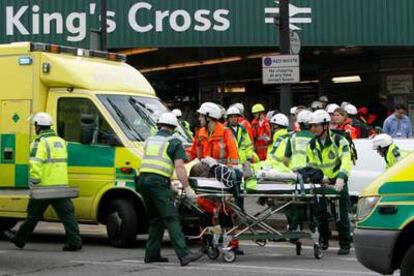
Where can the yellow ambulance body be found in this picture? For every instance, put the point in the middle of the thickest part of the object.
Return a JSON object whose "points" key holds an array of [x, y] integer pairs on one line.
{"points": [[101, 106]]}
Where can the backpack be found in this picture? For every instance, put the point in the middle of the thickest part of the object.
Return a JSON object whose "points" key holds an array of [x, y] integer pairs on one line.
{"points": [[347, 136]]}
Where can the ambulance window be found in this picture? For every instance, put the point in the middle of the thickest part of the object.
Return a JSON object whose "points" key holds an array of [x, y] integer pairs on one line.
{"points": [[78, 120]]}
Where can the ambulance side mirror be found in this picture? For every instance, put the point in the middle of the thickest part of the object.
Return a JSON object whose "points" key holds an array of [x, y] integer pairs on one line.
{"points": [[87, 129]]}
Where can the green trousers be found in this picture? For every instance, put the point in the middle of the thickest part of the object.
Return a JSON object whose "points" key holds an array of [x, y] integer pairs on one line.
{"points": [[343, 224], [65, 211], [162, 214]]}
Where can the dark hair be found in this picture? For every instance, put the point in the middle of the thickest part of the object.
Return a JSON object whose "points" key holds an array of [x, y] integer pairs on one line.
{"points": [[400, 106]]}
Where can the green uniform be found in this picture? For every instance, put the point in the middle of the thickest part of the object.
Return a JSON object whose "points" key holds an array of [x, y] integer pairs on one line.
{"points": [[295, 152], [394, 155], [277, 149], [333, 157], [244, 144], [156, 169], [48, 167]]}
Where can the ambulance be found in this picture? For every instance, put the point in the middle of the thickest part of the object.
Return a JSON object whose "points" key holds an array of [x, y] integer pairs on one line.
{"points": [[102, 107], [384, 237]]}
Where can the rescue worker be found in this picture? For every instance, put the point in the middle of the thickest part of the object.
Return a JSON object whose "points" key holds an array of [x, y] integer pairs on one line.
{"points": [[352, 112], [343, 123], [213, 139], [261, 131], [295, 153], [162, 153], [186, 125], [242, 120], [324, 100], [315, 105], [280, 123], [244, 144], [331, 154], [48, 168], [386, 148]]}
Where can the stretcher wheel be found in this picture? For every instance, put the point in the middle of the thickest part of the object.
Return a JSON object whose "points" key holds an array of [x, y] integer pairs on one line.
{"points": [[212, 252], [229, 256], [298, 248], [317, 251]]}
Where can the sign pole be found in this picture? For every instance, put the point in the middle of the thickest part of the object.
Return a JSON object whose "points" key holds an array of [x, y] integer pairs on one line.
{"points": [[284, 41], [104, 35]]}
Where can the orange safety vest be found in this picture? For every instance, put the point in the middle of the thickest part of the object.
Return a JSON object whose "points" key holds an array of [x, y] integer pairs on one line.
{"points": [[262, 137], [347, 127], [247, 126], [220, 145]]}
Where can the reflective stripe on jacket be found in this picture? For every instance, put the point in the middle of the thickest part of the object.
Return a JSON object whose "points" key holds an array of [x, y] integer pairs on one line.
{"points": [[394, 155], [244, 145], [298, 146], [156, 159], [220, 145], [48, 160]]}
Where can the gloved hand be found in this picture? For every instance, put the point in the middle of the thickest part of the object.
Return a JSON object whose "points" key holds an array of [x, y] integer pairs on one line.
{"points": [[209, 161], [190, 194], [339, 185]]}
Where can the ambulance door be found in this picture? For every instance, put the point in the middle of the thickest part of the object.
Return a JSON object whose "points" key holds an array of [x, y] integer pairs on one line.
{"points": [[14, 151]]}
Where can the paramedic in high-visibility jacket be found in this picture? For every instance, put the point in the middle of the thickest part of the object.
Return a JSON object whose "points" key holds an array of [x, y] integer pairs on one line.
{"points": [[331, 154], [162, 153], [48, 167], [385, 146]]}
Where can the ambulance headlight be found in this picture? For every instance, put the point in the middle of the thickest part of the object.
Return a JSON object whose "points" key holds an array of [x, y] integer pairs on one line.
{"points": [[365, 206]]}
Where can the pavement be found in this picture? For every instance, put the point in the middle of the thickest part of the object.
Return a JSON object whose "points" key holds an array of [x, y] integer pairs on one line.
{"points": [[43, 256]]}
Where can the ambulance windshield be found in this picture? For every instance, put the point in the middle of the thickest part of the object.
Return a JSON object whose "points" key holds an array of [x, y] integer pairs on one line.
{"points": [[137, 116]]}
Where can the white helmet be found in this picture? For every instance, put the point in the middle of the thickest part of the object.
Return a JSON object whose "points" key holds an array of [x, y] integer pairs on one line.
{"points": [[233, 110], [323, 99], [351, 109], [330, 108], [381, 141], [316, 105], [280, 119], [42, 119], [304, 117], [320, 117], [168, 118], [177, 113], [210, 109], [343, 104], [293, 110], [239, 106]]}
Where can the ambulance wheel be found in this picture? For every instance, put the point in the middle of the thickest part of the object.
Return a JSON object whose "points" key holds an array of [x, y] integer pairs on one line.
{"points": [[229, 256], [7, 224], [407, 264], [298, 248], [121, 224], [212, 252], [317, 251]]}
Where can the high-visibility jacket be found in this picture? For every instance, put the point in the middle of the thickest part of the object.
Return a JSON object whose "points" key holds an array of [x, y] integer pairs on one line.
{"points": [[262, 137], [48, 160], [156, 159], [394, 155], [247, 126], [347, 127], [220, 145], [296, 149], [277, 150], [244, 144], [187, 128], [333, 158]]}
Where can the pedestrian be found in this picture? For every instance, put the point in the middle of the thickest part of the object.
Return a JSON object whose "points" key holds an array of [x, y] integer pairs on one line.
{"points": [[398, 125], [48, 168], [187, 128], [386, 148], [244, 144], [261, 131], [330, 153], [162, 153]]}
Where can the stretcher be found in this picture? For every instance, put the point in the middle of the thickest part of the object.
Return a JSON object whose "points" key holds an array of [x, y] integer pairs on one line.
{"points": [[277, 196]]}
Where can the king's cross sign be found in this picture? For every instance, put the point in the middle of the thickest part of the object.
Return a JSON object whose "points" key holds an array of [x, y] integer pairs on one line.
{"points": [[304, 18]]}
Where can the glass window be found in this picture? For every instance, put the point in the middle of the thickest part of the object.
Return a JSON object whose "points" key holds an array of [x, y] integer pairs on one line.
{"points": [[79, 120]]}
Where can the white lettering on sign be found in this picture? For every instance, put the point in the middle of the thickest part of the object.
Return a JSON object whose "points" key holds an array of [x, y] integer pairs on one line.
{"points": [[178, 20], [42, 23], [281, 69], [271, 13]]}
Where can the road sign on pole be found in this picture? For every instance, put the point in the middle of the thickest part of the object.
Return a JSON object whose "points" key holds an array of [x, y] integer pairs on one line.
{"points": [[295, 43], [281, 69]]}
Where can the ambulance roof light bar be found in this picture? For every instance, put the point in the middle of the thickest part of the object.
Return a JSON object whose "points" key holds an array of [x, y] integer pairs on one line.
{"points": [[57, 49]]}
